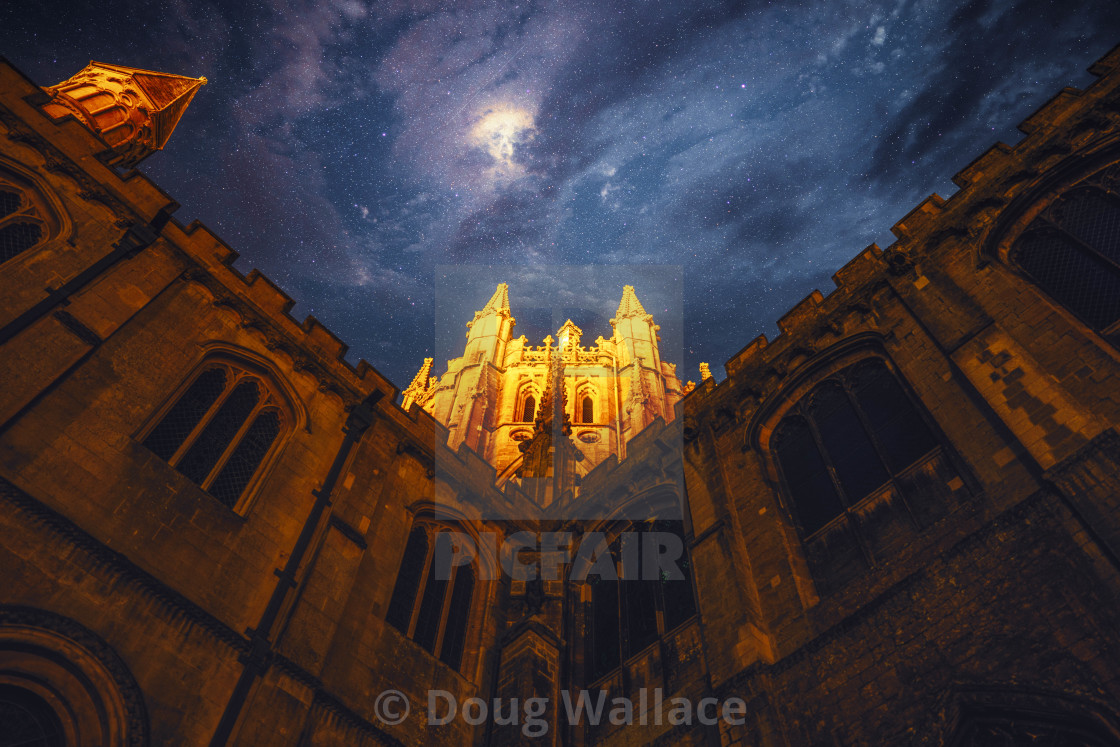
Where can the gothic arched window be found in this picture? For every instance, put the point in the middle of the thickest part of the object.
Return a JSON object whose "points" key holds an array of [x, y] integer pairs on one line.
{"points": [[219, 430], [528, 408], [21, 221], [1072, 252], [587, 409], [629, 614], [852, 434], [431, 599]]}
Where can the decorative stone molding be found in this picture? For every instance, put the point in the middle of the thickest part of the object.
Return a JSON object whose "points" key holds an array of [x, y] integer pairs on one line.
{"points": [[75, 671]]}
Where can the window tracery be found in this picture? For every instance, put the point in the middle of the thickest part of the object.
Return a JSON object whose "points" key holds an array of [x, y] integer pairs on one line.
{"points": [[587, 409], [1071, 250], [627, 615], [22, 224], [220, 430], [432, 599], [528, 411], [852, 434]]}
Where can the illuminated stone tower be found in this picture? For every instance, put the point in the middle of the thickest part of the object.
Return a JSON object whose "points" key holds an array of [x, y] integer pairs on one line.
{"points": [[133, 110], [491, 397]]}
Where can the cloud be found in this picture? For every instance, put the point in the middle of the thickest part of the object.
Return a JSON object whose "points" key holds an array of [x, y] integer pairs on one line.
{"points": [[348, 147]]}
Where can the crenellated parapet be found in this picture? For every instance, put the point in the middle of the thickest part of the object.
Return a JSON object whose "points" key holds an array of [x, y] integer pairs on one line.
{"points": [[263, 307], [1003, 370], [937, 228]]}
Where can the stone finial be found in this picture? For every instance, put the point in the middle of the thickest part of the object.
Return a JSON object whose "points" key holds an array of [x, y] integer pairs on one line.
{"points": [[499, 301], [705, 372], [419, 386], [629, 305]]}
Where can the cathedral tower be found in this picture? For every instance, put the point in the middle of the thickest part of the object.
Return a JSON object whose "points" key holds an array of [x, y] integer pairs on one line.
{"points": [[491, 398]]}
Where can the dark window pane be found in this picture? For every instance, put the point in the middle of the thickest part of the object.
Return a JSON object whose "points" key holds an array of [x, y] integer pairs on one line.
{"points": [[408, 581], [1085, 284], [431, 606], [900, 431], [529, 410], [458, 615], [588, 413], [204, 453], [846, 442], [677, 594], [1093, 217], [182, 418], [18, 237], [639, 605], [603, 627], [9, 202], [26, 720], [812, 491], [639, 602], [243, 462]]}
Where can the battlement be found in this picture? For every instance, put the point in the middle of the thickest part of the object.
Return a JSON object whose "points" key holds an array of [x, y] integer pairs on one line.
{"points": [[77, 153], [267, 298], [936, 224]]}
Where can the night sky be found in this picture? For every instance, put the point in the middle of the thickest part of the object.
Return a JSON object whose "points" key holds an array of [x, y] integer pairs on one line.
{"points": [[359, 153]]}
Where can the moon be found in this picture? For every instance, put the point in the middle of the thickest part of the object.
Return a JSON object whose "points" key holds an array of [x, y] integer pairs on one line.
{"points": [[499, 131]]}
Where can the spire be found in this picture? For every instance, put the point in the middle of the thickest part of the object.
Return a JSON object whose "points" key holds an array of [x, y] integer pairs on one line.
{"points": [[133, 110], [629, 305], [499, 301], [419, 385], [420, 380], [555, 397], [548, 468]]}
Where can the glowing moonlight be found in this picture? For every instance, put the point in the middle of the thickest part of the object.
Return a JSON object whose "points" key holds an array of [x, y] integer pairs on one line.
{"points": [[499, 130]]}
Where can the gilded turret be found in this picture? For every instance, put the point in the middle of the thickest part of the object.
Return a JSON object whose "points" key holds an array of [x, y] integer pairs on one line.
{"points": [[635, 326], [629, 305], [471, 388], [134, 111]]}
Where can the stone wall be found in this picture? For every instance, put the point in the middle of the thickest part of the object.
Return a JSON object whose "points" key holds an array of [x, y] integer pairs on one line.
{"points": [[983, 580]]}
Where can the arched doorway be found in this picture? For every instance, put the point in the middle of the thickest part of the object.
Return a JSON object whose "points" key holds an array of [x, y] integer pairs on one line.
{"points": [[62, 685]]}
